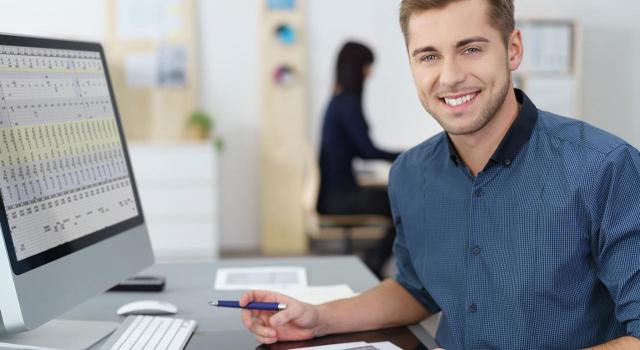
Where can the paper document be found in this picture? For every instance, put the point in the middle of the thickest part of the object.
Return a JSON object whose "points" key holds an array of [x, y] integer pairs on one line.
{"points": [[141, 70], [371, 172], [318, 294], [275, 277], [549, 46], [354, 346], [148, 19]]}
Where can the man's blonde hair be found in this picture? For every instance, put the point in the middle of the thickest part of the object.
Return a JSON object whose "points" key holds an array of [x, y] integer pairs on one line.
{"points": [[500, 14]]}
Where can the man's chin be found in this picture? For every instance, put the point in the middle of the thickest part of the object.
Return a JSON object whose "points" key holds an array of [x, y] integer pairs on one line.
{"points": [[468, 126], [461, 130]]}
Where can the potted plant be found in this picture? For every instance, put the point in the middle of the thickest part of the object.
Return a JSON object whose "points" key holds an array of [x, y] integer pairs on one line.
{"points": [[201, 126]]}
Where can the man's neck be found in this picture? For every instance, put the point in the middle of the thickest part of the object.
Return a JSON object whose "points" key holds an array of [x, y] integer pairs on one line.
{"points": [[476, 149]]}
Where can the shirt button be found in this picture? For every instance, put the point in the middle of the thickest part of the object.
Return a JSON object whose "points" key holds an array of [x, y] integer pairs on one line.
{"points": [[478, 193], [507, 162], [473, 308], [476, 250]]}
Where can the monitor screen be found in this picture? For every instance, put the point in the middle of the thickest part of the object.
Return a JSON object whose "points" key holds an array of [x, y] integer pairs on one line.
{"points": [[66, 179]]}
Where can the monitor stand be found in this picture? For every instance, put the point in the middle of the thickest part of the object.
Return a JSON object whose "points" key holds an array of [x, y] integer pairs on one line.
{"points": [[60, 335]]}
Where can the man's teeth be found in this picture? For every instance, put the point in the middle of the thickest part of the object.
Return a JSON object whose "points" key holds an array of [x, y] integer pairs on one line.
{"points": [[460, 100]]}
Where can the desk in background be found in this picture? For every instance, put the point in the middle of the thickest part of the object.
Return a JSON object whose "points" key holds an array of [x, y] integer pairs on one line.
{"points": [[371, 173], [190, 287]]}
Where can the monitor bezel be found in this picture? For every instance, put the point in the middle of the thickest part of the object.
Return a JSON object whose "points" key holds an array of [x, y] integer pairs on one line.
{"points": [[25, 265]]}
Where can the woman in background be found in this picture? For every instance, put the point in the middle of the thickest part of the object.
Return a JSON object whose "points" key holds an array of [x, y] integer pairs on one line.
{"points": [[345, 136]]}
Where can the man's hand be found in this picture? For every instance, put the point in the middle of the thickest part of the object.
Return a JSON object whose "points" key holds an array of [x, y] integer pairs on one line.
{"points": [[386, 305], [296, 322]]}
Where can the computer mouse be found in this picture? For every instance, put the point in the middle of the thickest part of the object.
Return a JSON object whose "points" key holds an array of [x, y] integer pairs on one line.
{"points": [[147, 307]]}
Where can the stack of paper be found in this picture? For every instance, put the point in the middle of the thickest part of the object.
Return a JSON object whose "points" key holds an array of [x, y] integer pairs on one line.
{"points": [[265, 278], [290, 281]]}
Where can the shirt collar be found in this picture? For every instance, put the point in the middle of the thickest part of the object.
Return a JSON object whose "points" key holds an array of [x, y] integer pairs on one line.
{"points": [[518, 134]]}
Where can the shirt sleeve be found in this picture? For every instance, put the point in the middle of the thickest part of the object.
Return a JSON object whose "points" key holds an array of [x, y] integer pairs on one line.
{"points": [[357, 130], [615, 210], [406, 275]]}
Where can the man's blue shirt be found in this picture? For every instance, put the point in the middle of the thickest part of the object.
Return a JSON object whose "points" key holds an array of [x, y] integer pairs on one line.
{"points": [[540, 250]]}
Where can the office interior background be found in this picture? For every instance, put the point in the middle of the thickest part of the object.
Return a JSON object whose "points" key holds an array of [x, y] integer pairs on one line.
{"points": [[214, 205]]}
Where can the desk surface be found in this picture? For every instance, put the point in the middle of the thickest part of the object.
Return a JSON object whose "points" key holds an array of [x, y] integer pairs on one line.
{"points": [[190, 286]]}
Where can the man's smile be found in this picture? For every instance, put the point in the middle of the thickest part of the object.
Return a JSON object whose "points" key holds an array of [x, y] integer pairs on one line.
{"points": [[459, 102]]}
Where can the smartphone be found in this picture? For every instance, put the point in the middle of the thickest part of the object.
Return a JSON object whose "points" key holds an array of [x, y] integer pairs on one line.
{"points": [[140, 284]]}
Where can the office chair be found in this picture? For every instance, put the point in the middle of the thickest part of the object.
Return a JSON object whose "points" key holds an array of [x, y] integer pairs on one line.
{"points": [[345, 227]]}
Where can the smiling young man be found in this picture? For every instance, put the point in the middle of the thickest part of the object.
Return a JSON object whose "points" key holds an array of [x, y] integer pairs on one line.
{"points": [[521, 226]]}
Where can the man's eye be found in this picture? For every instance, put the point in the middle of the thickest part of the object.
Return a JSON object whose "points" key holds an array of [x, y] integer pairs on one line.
{"points": [[472, 50], [429, 58]]}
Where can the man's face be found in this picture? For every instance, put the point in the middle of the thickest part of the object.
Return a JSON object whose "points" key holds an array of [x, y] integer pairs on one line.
{"points": [[460, 65]]}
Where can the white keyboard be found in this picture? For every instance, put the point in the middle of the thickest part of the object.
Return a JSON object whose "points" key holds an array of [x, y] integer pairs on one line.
{"points": [[151, 332]]}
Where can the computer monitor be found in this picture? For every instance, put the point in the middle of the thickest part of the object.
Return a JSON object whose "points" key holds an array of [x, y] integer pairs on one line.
{"points": [[70, 215]]}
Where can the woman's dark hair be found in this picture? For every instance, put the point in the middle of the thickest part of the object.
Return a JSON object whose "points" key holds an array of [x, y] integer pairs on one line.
{"points": [[352, 60]]}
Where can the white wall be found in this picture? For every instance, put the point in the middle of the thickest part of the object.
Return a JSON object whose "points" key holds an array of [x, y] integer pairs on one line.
{"points": [[230, 64], [79, 19]]}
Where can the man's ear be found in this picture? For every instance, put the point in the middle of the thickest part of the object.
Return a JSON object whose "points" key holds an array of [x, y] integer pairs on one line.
{"points": [[515, 49]]}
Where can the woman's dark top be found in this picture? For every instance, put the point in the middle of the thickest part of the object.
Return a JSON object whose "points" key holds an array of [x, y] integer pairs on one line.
{"points": [[345, 136]]}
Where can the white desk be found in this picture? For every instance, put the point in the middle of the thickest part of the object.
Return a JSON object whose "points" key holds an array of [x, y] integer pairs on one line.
{"points": [[190, 287]]}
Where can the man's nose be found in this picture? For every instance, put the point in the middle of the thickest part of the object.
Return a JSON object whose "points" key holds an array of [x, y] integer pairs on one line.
{"points": [[452, 74]]}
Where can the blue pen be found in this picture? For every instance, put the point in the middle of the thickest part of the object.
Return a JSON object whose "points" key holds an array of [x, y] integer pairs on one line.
{"points": [[254, 305]]}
